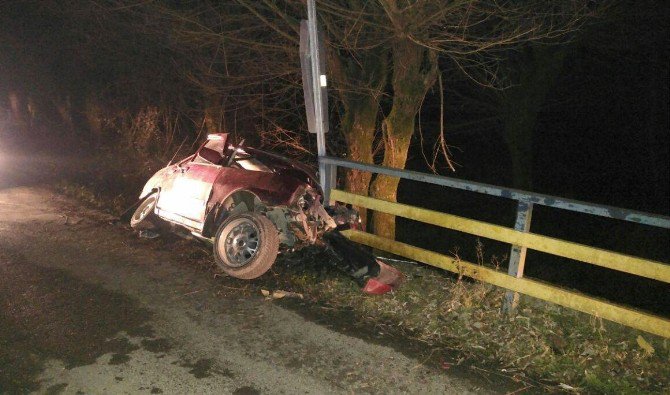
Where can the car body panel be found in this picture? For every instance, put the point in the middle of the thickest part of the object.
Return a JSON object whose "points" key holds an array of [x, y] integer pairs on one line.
{"points": [[272, 189], [193, 190], [188, 190]]}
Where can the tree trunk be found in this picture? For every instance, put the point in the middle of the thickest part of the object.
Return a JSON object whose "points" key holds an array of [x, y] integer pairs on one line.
{"points": [[360, 84], [414, 72], [519, 124], [396, 145], [359, 123], [17, 109], [520, 105], [213, 114]]}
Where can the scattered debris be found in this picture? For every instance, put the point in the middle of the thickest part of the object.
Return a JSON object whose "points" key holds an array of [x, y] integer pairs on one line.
{"points": [[566, 387], [378, 277], [72, 221], [648, 348], [286, 294], [280, 294], [148, 234]]}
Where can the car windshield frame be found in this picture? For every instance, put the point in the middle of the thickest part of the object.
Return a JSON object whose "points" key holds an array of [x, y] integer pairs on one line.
{"points": [[253, 162]]}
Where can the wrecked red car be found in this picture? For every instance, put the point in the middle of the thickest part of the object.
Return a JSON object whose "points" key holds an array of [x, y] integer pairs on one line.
{"points": [[248, 203]]}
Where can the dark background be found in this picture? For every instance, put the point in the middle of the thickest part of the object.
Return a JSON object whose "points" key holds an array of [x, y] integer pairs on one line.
{"points": [[603, 136]]}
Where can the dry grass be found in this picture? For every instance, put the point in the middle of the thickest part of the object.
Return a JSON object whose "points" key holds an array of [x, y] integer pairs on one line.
{"points": [[542, 345]]}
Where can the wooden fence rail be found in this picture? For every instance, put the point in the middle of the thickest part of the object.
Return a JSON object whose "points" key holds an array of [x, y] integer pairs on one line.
{"points": [[579, 252], [520, 238], [574, 300]]}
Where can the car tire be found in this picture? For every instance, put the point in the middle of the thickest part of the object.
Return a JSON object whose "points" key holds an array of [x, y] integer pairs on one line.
{"points": [[144, 217], [246, 245]]}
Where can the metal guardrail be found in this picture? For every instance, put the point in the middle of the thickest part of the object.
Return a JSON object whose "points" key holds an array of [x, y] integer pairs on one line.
{"points": [[520, 238], [660, 221]]}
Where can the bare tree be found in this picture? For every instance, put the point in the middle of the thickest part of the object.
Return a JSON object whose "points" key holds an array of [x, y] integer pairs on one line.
{"points": [[392, 48]]}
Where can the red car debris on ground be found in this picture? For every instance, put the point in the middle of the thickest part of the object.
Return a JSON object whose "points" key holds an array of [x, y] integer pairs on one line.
{"points": [[250, 203]]}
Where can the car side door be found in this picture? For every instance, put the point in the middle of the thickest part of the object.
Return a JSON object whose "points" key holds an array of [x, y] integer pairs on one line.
{"points": [[193, 187], [185, 200]]}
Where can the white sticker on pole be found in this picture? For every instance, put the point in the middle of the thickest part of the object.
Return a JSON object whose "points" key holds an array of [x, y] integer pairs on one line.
{"points": [[322, 80]]}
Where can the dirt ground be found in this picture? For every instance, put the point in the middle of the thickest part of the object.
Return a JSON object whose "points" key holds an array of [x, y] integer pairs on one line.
{"points": [[87, 307]]}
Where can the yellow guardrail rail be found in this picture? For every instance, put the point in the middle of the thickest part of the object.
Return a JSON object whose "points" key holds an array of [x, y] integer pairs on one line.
{"points": [[603, 309], [579, 252]]}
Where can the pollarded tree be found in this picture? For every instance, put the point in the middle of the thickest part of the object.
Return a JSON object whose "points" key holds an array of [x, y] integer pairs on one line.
{"points": [[416, 34]]}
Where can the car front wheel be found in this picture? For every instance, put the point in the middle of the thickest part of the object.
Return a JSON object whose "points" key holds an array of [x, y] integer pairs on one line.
{"points": [[144, 217], [246, 245]]}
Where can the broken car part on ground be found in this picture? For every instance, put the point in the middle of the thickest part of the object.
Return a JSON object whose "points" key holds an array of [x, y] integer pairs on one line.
{"points": [[248, 204]]}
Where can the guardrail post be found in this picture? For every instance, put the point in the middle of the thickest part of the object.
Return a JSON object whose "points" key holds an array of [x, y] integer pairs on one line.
{"points": [[517, 256], [330, 180]]}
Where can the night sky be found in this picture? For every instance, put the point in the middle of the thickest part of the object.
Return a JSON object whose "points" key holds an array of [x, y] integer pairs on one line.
{"points": [[603, 134]]}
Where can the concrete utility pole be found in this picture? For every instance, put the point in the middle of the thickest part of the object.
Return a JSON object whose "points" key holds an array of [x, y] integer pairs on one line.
{"points": [[318, 81]]}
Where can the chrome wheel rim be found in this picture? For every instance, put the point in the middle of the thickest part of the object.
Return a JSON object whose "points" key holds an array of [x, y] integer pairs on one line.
{"points": [[241, 244], [147, 208]]}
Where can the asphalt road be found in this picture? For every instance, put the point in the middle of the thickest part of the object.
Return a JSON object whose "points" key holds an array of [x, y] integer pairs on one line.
{"points": [[87, 307]]}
